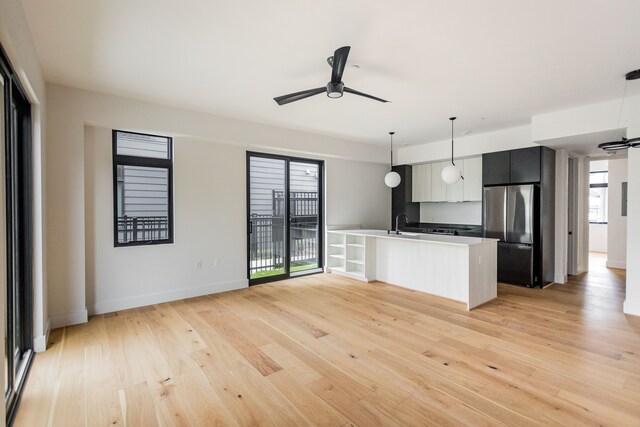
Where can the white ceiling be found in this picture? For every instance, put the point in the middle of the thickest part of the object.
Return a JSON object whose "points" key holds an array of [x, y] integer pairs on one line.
{"points": [[493, 63]]}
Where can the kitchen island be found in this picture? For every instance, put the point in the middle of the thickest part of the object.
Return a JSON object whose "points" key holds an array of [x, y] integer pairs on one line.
{"points": [[459, 268]]}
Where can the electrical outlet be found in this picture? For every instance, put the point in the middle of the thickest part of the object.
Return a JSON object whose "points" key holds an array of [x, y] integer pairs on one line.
{"points": [[199, 265], [215, 262]]}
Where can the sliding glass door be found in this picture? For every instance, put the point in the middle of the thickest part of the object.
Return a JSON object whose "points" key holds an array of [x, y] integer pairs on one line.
{"points": [[304, 227], [284, 206], [16, 244]]}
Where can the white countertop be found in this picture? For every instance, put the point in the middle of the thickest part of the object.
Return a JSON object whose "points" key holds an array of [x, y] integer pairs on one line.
{"points": [[420, 237]]}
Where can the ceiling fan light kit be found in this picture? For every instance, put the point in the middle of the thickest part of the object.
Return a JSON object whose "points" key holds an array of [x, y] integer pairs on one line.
{"points": [[451, 174], [624, 143], [392, 179], [335, 88]]}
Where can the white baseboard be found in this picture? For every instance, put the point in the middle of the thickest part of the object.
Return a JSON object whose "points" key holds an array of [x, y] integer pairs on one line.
{"points": [[617, 264], [160, 297], [68, 319], [40, 343], [631, 307]]}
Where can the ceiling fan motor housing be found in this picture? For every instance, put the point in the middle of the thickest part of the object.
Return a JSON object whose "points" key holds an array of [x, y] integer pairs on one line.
{"points": [[334, 90]]}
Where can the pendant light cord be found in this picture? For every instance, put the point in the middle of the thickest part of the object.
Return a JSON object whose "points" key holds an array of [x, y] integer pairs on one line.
{"points": [[452, 141], [452, 162], [624, 95], [391, 133]]}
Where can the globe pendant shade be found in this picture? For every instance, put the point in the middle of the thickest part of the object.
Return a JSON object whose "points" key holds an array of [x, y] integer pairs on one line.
{"points": [[451, 174], [392, 179]]}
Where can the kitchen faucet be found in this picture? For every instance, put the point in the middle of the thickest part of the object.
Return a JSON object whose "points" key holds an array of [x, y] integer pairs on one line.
{"points": [[406, 220]]}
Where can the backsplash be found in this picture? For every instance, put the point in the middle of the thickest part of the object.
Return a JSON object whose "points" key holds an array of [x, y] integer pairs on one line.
{"points": [[452, 213]]}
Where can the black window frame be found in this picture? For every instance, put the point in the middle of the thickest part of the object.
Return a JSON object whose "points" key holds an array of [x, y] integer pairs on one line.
{"points": [[18, 233], [599, 185], [321, 218], [125, 160]]}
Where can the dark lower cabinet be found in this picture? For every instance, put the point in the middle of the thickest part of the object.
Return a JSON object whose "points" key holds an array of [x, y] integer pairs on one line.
{"points": [[516, 264], [504, 267]]}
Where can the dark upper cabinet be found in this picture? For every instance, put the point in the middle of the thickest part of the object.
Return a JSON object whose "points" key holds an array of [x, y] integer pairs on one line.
{"points": [[401, 196], [525, 165], [496, 168], [512, 167], [402, 193]]}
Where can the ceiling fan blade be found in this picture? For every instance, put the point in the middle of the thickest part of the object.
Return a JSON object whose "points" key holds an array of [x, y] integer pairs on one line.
{"points": [[297, 96], [339, 62], [355, 92]]}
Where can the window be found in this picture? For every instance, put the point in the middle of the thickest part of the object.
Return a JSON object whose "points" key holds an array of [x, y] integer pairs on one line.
{"points": [[598, 189], [142, 189]]}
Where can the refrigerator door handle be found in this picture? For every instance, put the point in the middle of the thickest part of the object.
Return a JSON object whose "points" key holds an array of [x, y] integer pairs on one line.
{"points": [[505, 211]]}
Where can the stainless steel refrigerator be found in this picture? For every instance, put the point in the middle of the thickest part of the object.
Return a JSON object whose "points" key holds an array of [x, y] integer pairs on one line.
{"points": [[509, 215]]}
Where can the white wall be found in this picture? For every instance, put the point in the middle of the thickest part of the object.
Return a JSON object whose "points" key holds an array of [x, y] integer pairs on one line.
{"points": [[632, 301], [452, 213], [355, 194], [85, 270], [210, 218], [466, 146], [586, 119], [617, 226], [209, 188], [598, 237], [16, 40]]}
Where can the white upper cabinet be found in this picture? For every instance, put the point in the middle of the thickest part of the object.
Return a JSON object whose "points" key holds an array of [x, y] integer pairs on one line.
{"points": [[428, 186], [421, 183], [438, 186], [455, 191], [472, 185]]}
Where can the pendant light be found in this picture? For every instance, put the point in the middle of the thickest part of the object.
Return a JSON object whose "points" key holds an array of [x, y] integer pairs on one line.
{"points": [[451, 174], [624, 143], [392, 179]]}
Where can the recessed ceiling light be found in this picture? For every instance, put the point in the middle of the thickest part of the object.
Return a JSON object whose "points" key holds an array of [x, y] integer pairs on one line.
{"points": [[355, 66], [483, 118], [467, 132]]}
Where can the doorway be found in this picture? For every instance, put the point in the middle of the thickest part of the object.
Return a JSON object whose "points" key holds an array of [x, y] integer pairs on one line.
{"points": [[572, 223], [284, 217], [598, 211], [16, 243]]}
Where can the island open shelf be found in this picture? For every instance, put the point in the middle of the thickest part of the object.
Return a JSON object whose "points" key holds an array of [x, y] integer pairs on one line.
{"points": [[460, 268]]}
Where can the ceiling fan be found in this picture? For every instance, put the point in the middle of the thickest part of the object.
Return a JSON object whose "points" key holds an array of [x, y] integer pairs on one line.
{"points": [[624, 143], [335, 87]]}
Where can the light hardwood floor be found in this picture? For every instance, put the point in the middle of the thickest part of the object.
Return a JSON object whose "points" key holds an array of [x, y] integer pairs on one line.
{"points": [[326, 350]]}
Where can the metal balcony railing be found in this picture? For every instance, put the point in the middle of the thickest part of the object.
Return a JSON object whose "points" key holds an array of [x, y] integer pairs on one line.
{"points": [[142, 228]]}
